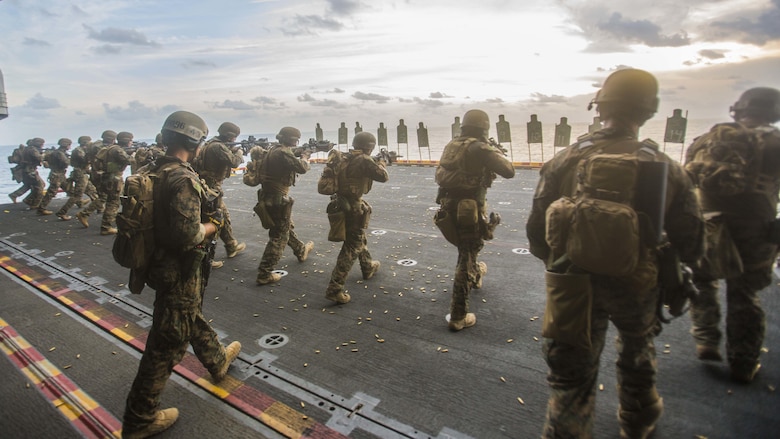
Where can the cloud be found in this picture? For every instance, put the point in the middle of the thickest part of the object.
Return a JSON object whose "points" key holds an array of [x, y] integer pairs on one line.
{"points": [[233, 105], [547, 99], [335, 90], [438, 95], [119, 36], [197, 63], [268, 103], [431, 103], [494, 101], [344, 7], [327, 103], [641, 31], [107, 49], [310, 24], [135, 110], [369, 97], [306, 98], [39, 102], [712, 54], [758, 29], [34, 42]]}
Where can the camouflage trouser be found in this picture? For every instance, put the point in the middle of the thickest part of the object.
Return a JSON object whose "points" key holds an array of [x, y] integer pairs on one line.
{"points": [[36, 184], [172, 330], [280, 235], [354, 247], [745, 319], [226, 233], [80, 182], [109, 190], [573, 370], [99, 200], [56, 179], [466, 276]]}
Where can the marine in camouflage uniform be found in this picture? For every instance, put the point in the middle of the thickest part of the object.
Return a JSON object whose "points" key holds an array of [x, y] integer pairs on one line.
{"points": [[57, 161], [355, 180], [214, 164], [145, 155], [466, 170], [17, 172], [111, 183], [277, 174], [78, 181], [627, 99], [31, 159], [747, 213], [182, 229], [98, 203]]}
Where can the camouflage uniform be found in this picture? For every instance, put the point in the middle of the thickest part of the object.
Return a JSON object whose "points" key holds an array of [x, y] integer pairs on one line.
{"points": [[58, 163], [214, 164], [31, 159], [280, 168], [176, 275], [357, 178], [629, 302], [79, 179], [475, 164], [747, 217], [98, 203], [110, 188]]}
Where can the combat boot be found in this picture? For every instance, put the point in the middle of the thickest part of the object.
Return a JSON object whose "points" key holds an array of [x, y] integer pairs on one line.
{"points": [[639, 424], [305, 252], [108, 231], [269, 278], [83, 219], [163, 419], [235, 249], [64, 217], [482, 267], [466, 322], [744, 373], [708, 353], [44, 211], [231, 352], [217, 264], [371, 271], [338, 296]]}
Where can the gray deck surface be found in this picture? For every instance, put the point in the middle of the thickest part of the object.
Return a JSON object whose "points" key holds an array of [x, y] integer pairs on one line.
{"points": [[325, 360]]}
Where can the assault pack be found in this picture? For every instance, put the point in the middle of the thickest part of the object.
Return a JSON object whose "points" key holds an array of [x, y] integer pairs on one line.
{"points": [[598, 229], [337, 161], [16, 155], [727, 160], [252, 174], [134, 242]]}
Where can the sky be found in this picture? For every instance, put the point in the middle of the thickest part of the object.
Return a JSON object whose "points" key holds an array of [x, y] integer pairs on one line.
{"points": [[75, 68]]}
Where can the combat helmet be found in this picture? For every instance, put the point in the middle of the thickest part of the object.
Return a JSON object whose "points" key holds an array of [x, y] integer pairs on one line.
{"points": [[124, 137], [37, 142], [188, 125], [477, 119], [364, 141], [229, 129], [288, 135], [629, 88], [64, 142], [108, 136], [763, 102], [84, 140]]}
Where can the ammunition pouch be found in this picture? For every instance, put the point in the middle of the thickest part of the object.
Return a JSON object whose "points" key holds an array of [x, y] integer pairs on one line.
{"points": [[468, 212], [567, 313], [265, 217], [446, 224], [337, 220]]}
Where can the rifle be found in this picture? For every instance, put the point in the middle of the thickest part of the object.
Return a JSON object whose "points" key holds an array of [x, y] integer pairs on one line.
{"points": [[211, 212], [312, 146], [250, 143], [498, 146], [389, 157]]}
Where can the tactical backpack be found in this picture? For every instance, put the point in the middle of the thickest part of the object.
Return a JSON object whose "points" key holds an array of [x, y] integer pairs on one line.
{"points": [[328, 184], [599, 229], [252, 173], [16, 155], [134, 242], [100, 164], [727, 160]]}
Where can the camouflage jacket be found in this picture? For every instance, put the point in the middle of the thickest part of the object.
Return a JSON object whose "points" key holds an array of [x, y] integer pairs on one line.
{"points": [[357, 177], [279, 170], [468, 167]]}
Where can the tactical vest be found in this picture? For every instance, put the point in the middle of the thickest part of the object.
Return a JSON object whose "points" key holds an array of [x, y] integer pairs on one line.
{"points": [[453, 171], [78, 158], [349, 183], [273, 170], [57, 160]]}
